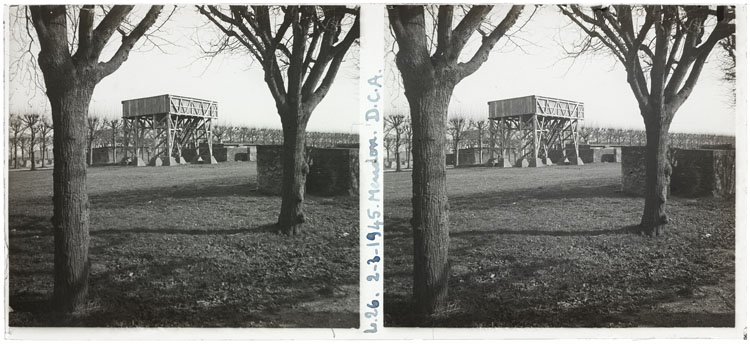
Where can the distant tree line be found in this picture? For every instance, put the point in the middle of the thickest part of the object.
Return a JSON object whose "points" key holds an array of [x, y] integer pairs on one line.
{"points": [[268, 136], [28, 134], [632, 137], [30, 137], [463, 132]]}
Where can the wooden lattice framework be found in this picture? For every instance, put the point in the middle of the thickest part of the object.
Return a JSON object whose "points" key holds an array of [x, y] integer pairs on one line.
{"points": [[536, 124], [168, 125]]}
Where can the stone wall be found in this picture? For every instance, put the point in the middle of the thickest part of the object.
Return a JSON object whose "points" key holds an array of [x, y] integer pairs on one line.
{"points": [[334, 172], [103, 155], [450, 159], [611, 154], [703, 172], [269, 169], [234, 153], [470, 156], [633, 170], [557, 157], [695, 172]]}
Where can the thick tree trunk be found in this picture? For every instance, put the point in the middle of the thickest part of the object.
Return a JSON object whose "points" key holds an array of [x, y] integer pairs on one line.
{"points": [[294, 175], [70, 102], [658, 173], [429, 112]]}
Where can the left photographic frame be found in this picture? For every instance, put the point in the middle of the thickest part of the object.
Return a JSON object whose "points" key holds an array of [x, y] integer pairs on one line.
{"points": [[182, 166]]}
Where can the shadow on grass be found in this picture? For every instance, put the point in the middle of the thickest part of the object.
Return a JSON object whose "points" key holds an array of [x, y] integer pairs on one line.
{"points": [[495, 199], [185, 292], [400, 228], [476, 302], [120, 198], [266, 228]]}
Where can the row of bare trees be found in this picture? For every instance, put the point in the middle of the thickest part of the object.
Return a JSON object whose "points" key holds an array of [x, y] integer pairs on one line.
{"points": [[28, 133], [632, 137], [462, 133], [102, 132], [270, 136], [470, 133]]}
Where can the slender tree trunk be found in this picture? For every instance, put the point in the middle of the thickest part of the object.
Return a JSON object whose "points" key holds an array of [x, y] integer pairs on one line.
{"points": [[294, 175], [429, 112], [15, 152], [658, 173], [114, 148], [388, 156], [91, 152], [455, 153], [69, 101], [398, 154], [481, 157], [33, 158], [408, 155]]}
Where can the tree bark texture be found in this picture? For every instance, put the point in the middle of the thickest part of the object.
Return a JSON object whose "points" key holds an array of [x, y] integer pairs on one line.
{"points": [[658, 173], [69, 102], [70, 79], [429, 80], [294, 175], [429, 112]]}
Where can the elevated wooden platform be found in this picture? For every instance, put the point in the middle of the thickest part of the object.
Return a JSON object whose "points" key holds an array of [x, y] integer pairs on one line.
{"points": [[159, 128], [535, 124], [170, 104], [535, 105]]}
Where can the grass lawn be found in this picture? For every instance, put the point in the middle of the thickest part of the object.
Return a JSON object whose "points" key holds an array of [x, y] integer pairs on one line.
{"points": [[555, 247], [189, 246]]}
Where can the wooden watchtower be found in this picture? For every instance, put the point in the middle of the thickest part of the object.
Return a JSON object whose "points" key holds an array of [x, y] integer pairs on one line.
{"points": [[168, 125], [536, 124]]}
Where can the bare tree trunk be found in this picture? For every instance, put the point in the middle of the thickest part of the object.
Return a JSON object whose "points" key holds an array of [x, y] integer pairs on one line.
{"points": [[408, 156], [481, 156], [658, 173], [398, 154], [114, 148], [429, 113], [292, 217], [15, 152], [91, 152], [33, 160], [388, 155], [455, 153], [69, 101]]}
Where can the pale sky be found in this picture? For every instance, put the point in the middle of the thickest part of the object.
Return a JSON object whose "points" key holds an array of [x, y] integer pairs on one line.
{"points": [[597, 81], [233, 81], [539, 68]]}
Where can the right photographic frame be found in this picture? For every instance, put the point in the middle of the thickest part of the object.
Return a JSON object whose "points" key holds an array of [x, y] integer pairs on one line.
{"points": [[566, 166]]}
